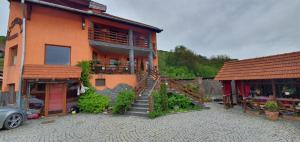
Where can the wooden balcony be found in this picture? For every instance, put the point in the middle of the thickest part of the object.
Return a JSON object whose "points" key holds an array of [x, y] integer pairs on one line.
{"points": [[118, 38], [108, 36], [140, 40], [109, 69]]}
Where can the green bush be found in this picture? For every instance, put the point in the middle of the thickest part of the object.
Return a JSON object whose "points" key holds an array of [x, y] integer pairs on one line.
{"points": [[154, 114], [272, 106], [157, 105], [164, 97], [180, 101], [85, 73], [91, 102], [123, 101]]}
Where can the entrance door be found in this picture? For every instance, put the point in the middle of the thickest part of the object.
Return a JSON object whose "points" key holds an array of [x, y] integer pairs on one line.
{"points": [[56, 98], [12, 93]]}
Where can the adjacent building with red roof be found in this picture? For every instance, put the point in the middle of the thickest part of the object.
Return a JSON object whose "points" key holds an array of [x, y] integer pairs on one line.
{"points": [[277, 76]]}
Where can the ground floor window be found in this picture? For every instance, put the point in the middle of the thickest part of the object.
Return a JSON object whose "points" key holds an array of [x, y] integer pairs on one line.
{"points": [[100, 82], [12, 93], [261, 88], [289, 88], [285, 88]]}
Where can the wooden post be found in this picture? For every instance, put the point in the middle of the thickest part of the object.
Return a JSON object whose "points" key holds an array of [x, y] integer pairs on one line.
{"points": [[150, 99], [273, 88], [46, 101], [65, 99], [244, 101], [243, 89]]}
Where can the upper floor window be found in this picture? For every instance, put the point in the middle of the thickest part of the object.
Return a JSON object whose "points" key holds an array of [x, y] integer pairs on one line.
{"points": [[57, 55], [13, 55]]}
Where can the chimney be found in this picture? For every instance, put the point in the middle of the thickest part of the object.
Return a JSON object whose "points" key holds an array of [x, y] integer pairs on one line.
{"points": [[97, 7]]}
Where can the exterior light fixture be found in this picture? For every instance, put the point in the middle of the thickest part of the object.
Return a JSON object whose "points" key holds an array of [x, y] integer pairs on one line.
{"points": [[83, 23]]}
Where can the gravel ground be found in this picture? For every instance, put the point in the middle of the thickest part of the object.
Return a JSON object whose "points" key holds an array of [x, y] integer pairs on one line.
{"points": [[213, 125]]}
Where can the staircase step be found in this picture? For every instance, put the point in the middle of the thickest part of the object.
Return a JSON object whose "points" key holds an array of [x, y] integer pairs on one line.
{"points": [[139, 109], [140, 105], [135, 113], [141, 101], [143, 97]]}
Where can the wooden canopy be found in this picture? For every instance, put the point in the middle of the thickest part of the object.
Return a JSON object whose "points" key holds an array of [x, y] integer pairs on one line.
{"points": [[280, 66], [51, 72]]}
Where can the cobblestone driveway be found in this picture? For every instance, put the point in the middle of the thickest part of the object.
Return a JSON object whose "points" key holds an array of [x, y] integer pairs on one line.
{"points": [[215, 124]]}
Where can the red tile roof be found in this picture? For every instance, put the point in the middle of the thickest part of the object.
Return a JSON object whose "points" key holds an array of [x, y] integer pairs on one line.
{"points": [[101, 15], [270, 67], [127, 21], [51, 72]]}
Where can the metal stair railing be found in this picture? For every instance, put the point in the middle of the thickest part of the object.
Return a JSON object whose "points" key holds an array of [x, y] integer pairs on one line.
{"points": [[173, 84]]}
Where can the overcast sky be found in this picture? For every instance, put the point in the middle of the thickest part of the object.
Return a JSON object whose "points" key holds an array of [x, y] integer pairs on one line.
{"points": [[238, 28]]}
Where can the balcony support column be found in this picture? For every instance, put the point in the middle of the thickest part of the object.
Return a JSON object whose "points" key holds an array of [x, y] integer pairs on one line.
{"points": [[131, 60], [150, 61], [150, 41], [131, 51], [150, 56]]}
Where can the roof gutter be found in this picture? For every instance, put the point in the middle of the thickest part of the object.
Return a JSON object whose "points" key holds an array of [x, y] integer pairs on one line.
{"points": [[93, 14], [19, 97]]}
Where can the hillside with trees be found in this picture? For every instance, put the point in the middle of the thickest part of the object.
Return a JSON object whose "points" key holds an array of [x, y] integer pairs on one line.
{"points": [[2, 39], [182, 63]]}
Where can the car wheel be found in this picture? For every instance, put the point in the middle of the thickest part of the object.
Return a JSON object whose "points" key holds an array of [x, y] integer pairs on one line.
{"points": [[13, 121]]}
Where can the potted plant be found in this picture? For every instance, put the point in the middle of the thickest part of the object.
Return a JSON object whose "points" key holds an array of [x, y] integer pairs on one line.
{"points": [[272, 110], [117, 63], [288, 90]]}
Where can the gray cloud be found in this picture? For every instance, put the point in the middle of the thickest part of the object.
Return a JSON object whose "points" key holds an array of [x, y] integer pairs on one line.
{"points": [[4, 6], [238, 28]]}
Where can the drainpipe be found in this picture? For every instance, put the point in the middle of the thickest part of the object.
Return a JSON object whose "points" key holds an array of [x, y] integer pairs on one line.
{"points": [[19, 98]]}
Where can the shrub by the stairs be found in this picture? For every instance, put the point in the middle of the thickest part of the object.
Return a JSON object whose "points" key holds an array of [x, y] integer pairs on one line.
{"points": [[123, 101], [91, 102], [164, 97], [157, 105], [180, 101], [85, 72]]}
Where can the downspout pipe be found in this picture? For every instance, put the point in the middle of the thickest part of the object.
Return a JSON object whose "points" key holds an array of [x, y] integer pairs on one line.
{"points": [[19, 101]]}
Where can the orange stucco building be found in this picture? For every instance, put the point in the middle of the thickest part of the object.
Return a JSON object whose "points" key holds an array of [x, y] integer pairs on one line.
{"points": [[61, 33]]}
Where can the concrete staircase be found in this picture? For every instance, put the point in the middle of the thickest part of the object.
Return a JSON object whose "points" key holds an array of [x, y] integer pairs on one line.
{"points": [[141, 105]]}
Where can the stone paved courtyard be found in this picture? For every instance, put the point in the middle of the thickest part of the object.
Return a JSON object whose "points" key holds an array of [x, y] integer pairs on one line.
{"points": [[213, 125]]}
